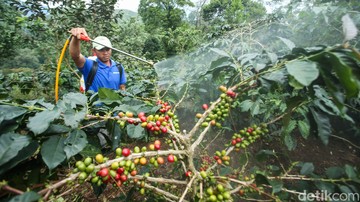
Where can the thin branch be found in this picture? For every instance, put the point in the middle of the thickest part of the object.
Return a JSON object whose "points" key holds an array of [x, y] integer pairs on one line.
{"points": [[12, 190], [59, 184], [160, 191], [182, 98], [203, 117], [158, 180], [187, 188], [142, 154], [345, 140]]}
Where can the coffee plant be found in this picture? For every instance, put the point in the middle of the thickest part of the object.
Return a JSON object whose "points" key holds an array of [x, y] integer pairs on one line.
{"points": [[138, 147]]}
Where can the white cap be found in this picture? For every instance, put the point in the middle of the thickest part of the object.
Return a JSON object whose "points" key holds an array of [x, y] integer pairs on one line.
{"points": [[102, 42]]}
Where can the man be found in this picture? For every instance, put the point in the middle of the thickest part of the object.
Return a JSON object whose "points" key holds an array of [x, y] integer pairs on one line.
{"points": [[107, 75]]}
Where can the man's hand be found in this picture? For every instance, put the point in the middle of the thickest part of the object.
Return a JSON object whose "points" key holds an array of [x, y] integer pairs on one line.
{"points": [[74, 47], [77, 32]]}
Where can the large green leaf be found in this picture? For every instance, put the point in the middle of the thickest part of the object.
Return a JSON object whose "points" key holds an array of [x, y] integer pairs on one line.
{"points": [[27, 196], [335, 172], [323, 125], [305, 72], [75, 99], [108, 95], [263, 155], [350, 172], [329, 187], [307, 168], [72, 117], [75, 143], [115, 133], [304, 128], [11, 144], [290, 142], [41, 121], [327, 105], [10, 112], [345, 75], [135, 132], [52, 151], [57, 129], [277, 76], [276, 185], [246, 105], [221, 52], [22, 155], [287, 42]]}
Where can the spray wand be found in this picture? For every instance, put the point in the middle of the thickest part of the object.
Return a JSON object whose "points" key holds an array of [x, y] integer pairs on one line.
{"points": [[86, 38]]}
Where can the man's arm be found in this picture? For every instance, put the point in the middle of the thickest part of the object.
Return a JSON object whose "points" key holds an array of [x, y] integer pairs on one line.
{"points": [[74, 47]]}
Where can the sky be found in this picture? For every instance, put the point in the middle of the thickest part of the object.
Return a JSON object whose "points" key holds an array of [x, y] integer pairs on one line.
{"points": [[128, 4]]}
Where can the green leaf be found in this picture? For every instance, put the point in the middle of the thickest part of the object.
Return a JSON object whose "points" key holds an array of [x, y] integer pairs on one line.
{"points": [[75, 143], [323, 125], [136, 132], [10, 112], [277, 185], [265, 155], [10, 145], [307, 168], [247, 57], [75, 99], [335, 172], [52, 151], [294, 83], [108, 95], [277, 76], [290, 126], [225, 170], [22, 155], [260, 178], [255, 108], [57, 129], [345, 189], [329, 187], [246, 105], [220, 52], [92, 148], [27, 196], [287, 42], [305, 72], [345, 75], [114, 133], [350, 172], [304, 128], [326, 104], [41, 121], [72, 118], [290, 142]]}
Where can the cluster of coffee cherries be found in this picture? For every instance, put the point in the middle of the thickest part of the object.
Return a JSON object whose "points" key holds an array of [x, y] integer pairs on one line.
{"points": [[222, 158], [248, 135], [215, 191], [119, 171], [251, 188], [221, 110], [159, 160], [156, 123]]}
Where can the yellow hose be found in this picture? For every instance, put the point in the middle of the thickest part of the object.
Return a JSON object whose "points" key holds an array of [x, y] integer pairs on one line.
{"points": [[58, 68]]}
